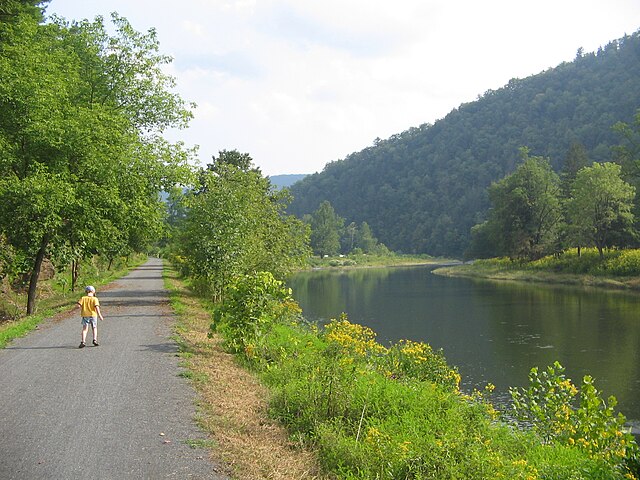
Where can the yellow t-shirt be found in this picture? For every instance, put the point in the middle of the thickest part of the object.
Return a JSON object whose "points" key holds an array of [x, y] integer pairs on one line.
{"points": [[88, 306]]}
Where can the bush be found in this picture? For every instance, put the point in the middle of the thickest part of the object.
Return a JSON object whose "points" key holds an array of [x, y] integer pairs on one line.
{"points": [[252, 305], [547, 406]]}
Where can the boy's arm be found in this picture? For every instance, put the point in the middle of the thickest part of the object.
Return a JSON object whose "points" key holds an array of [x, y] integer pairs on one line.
{"points": [[99, 312]]}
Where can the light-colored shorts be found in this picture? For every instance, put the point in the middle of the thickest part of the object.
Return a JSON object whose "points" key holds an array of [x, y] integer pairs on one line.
{"points": [[93, 321]]}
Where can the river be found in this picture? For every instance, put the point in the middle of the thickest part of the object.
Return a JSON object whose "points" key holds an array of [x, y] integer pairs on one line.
{"points": [[492, 331]]}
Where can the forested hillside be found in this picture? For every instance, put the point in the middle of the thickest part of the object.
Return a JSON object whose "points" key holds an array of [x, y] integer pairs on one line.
{"points": [[423, 189]]}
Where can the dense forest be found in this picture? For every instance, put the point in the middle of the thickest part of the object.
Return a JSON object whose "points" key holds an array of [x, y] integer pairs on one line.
{"points": [[423, 189]]}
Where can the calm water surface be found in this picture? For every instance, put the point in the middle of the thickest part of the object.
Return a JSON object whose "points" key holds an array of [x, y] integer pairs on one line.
{"points": [[492, 331]]}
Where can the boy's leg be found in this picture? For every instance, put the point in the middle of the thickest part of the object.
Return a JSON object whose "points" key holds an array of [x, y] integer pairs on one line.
{"points": [[85, 329], [94, 327]]}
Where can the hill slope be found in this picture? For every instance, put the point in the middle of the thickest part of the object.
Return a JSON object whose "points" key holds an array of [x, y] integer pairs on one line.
{"points": [[423, 189], [285, 181]]}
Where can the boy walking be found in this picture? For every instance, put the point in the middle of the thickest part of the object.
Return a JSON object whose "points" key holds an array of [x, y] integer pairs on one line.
{"points": [[90, 311]]}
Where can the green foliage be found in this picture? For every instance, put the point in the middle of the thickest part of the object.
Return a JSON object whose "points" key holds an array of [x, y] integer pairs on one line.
{"points": [[547, 405], [524, 221], [234, 225], [325, 230], [81, 156], [418, 361], [333, 388], [329, 235], [423, 189], [600, 208], [252, 305]]}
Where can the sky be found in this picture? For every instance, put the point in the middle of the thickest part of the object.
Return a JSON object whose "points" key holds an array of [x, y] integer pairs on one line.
{"points": [[300, 83]]}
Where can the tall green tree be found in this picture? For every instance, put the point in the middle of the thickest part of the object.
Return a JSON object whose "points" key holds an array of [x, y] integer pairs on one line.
{"points": [[325, 230], [600, 208], [365, 239], [525, 217], [235, 225]]}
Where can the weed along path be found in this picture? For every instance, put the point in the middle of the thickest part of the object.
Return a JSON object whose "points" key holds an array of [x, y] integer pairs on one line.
{"points": [[119, 410]]}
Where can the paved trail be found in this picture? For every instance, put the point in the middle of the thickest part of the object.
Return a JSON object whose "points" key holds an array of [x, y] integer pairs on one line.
{"points": [[99, 412]]}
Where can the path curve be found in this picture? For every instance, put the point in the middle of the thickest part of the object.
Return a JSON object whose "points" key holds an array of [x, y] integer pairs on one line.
{"points": [[117, 411]]}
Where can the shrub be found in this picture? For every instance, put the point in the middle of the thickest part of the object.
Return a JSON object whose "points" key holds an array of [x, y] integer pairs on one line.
{"points": [[252, 304], [547, 406], [418, 361]]}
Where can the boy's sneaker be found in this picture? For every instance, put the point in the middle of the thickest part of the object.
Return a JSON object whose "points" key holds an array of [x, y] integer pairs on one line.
{"points": [[95, 343], [81, 345]]}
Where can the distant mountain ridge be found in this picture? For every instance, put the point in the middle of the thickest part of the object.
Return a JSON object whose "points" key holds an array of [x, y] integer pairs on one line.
{"points": [[286, 180], [423, 189]]}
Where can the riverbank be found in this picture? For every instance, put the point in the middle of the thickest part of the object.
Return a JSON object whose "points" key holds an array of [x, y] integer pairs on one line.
{"points": [[618, 270], [362, 410], [374, 261], [580, 280]]}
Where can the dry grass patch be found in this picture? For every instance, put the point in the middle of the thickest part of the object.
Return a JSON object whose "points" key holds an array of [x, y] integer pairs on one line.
{"points": [[233, 403]]}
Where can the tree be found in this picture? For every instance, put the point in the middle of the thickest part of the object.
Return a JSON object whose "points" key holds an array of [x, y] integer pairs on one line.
{"points": [[577, 158], [80, 112], [365, 240], [349, 237], [325, 230], [235, 225], [242, 161], [525, 215], [601, 205], [12, 10]]}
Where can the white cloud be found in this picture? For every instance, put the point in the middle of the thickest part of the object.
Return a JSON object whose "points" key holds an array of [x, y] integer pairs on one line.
{"points": [[299, 83]]}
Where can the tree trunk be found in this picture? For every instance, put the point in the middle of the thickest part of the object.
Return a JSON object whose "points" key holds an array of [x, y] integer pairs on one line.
{"points": [[75, 273], [579, 253], [35, 274]]}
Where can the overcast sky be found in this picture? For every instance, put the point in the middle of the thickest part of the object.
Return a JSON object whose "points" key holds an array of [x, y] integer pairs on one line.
{"points": [[299, 83]]}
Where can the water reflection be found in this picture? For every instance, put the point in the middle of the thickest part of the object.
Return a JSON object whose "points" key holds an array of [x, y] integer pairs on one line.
{"points": [[493, 331]]}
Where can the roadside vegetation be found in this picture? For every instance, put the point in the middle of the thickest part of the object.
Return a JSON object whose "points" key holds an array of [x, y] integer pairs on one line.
{"points": [[233, 404]]}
